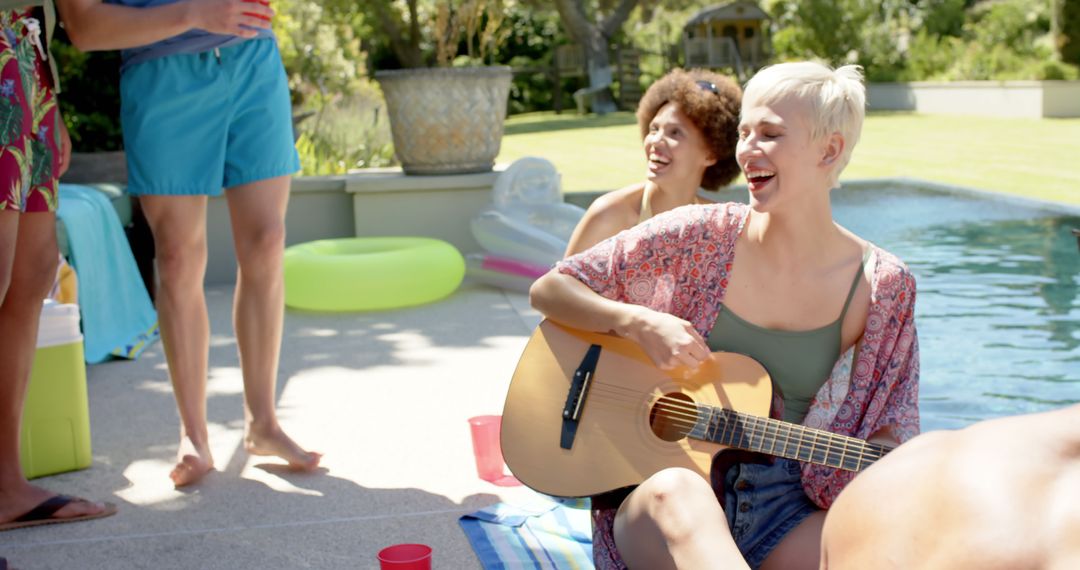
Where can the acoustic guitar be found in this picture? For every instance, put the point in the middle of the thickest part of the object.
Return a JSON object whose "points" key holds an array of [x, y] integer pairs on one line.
{"points": [[588, 413]]}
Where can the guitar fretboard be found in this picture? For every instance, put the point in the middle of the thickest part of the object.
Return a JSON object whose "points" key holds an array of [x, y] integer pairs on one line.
{"points": [[783, 439]]}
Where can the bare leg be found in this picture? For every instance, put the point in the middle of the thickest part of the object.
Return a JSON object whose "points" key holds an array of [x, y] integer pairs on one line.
{"points": [[257, 212], [801, 548], [27, 269], [674, 521], [179, 227], [9, 234]]}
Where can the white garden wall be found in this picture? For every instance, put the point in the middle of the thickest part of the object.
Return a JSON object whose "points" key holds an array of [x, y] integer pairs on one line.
{"points": [[1031, 99]]}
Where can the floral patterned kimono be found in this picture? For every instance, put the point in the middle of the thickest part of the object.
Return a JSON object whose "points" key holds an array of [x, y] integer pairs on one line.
{"points": [[678, 263]]}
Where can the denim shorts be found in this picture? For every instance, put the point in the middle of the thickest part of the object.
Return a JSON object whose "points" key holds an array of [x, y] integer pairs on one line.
{"points": [[764, 502], [196, 123]]}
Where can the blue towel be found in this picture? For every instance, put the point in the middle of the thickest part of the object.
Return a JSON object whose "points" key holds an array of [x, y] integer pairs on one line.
{"points": [[118, 318], [543, 534]]}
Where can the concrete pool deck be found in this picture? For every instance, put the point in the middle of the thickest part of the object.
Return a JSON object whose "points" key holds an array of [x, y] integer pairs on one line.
{"points": [[385, 395]]}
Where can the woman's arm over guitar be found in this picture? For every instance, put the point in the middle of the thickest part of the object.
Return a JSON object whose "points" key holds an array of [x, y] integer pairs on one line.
{"points": [[668, 340], [626, 285]]}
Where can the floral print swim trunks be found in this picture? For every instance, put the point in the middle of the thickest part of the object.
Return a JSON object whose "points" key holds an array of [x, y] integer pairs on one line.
{"points": [[29, 137]]}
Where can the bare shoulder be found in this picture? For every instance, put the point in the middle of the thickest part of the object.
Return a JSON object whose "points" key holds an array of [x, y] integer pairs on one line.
{"points": [[890, 277], [624, 203], [893, 513], [885, 261], [1002, 493], [608, 215], [925, 453], [1064, 519]]}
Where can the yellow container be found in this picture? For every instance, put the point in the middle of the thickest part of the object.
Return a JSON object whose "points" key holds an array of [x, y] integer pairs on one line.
{"points": [[56, 418]]}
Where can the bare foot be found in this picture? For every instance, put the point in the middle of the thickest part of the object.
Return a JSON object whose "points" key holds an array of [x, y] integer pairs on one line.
{"points": [[193, 462], [274, 442]]}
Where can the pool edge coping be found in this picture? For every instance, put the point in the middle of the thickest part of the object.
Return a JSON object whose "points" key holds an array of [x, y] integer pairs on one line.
{"points": [[584, 197], [924, 184]]}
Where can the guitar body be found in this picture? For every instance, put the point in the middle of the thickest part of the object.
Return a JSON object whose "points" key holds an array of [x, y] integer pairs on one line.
{"points": [[633, 419]]}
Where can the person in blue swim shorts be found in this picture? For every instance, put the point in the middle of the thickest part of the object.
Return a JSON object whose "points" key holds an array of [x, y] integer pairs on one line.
{"points": [[205, 109]]}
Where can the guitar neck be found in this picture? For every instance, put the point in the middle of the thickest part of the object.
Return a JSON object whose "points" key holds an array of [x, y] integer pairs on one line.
{"points": [[783, 439]]}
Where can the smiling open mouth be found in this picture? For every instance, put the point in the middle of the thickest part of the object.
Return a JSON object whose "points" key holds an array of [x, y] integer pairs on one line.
{"points": [[759, 177]]}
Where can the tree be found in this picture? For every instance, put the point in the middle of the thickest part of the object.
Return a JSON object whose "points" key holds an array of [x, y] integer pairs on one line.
{"points": [[419, 32], [595, 37], [831, 30], [405, 46], [1065, 27]]}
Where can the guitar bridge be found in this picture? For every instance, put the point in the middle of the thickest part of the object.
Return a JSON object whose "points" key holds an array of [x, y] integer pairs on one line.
{"points": [[575, 397]]}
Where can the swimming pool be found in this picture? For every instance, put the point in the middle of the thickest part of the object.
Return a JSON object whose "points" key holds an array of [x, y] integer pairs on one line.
{"points": [[998, 305]]}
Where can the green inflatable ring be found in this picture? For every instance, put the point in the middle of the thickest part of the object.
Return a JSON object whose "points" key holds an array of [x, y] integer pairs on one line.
{"points": [[364, 274]]}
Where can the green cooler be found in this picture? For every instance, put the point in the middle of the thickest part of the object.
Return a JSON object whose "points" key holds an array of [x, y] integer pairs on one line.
{"points": [[56, 418]]}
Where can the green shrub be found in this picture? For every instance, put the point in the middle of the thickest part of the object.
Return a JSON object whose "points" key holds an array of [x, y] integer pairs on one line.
{"points": [[1013, 25], [90, 96], [319, 48], [978, 63], [880, 51], [1052, 70], [942, 17], [530, 91], [346, 133], [830, 30], [532, 33], [1004, 40], [930, 57]]}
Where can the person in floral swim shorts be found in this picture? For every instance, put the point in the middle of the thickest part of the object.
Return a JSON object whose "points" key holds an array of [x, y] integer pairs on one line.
{"points": [[34, 151]]}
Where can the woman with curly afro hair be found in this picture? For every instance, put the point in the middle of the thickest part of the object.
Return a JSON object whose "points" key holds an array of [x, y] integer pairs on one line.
{"points": [[689, 128]]}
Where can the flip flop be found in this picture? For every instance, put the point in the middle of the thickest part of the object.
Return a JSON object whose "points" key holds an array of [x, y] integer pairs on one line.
{"points": [[43, 513]]}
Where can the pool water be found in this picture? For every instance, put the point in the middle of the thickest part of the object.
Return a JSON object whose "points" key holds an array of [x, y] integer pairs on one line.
{"points": [[998, 297]]}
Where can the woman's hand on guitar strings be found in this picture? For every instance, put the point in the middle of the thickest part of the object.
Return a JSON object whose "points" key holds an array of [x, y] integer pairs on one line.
{"points": [[669, 341]]}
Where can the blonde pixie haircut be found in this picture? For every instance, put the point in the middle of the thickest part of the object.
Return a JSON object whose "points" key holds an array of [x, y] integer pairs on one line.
{"points": [[837, 99]]}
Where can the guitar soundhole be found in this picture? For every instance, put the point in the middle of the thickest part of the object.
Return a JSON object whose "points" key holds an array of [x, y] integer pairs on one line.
{"points": [[673, 416]]}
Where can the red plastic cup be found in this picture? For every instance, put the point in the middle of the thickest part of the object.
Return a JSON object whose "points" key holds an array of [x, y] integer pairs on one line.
{"points": [[489, 459], [405, 557], [259, 16]]}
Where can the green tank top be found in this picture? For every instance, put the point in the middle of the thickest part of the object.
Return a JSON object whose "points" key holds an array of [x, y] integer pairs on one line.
{"points": [[799, 362]]}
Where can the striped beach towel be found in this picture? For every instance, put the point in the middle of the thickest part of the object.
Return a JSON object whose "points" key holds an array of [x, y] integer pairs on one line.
{"points": [[542, 534]]}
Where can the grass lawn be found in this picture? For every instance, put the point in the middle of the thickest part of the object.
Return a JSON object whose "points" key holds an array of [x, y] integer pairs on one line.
{"points": [[1037, 158]]}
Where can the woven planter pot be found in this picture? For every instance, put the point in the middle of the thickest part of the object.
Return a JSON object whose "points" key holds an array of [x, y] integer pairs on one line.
{"points": [[446, 120]]}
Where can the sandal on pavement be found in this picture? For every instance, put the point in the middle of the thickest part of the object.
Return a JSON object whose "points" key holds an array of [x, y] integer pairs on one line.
{"points": [[43, 513]]}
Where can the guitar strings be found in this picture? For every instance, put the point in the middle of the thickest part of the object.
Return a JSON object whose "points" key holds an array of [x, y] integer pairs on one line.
{"points": [[689, 411], [686, 416]]}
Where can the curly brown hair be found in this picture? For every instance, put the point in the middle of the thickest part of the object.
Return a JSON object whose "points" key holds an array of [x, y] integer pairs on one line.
{"points": [[711, 101]]}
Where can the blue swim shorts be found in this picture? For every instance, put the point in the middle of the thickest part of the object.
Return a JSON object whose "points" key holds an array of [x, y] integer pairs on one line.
{"points": [[763, 503], [195, 124]]}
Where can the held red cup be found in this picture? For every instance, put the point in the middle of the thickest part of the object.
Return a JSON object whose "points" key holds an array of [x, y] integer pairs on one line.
{"points": [[405, 557], [259, 16]]}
